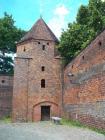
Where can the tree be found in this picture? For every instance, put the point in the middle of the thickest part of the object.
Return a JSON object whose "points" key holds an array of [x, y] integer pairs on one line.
{"points": [[73, 40], [90, 21], [82, 15], [6, 65], [96, 20], [9, 35]]}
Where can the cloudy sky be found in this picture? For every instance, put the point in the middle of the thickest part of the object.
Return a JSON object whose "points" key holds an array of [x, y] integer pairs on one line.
{"points": [[56, 13]]}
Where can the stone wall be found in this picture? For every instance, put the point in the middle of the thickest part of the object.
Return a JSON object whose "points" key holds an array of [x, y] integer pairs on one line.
{"points": [[6, 92], [84, 88]]}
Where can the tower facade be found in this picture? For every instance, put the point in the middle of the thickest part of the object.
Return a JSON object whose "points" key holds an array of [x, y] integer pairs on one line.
{"points": [[37, 76]]}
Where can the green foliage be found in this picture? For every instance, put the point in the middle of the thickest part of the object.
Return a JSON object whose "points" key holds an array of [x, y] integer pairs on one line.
{"points": [[72, 123], [6, 65], [74, 39], [6, 120], [9, 35], [76, 123], [83, 15], [90, 21]]}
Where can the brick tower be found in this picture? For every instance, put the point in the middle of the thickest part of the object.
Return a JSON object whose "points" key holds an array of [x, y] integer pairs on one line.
{"points": [[37, 76]]}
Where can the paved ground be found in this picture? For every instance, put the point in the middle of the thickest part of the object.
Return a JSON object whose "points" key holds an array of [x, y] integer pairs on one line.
{"points": [[45, 131]]}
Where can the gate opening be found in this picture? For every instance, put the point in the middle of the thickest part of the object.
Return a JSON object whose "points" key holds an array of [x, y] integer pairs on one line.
{"points": [[45, 113]]}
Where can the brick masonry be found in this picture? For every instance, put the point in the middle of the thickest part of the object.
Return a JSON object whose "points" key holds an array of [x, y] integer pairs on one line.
{"points": [[6, 93], [76, 92], [84, 85], [35, 50], [28, 95]]}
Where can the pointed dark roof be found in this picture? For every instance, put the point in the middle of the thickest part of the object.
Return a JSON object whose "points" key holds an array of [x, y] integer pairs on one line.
{"points": [[40, 30]]}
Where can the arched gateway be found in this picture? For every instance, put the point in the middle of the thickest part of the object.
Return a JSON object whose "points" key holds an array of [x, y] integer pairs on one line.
{"points": [[44, 110]]}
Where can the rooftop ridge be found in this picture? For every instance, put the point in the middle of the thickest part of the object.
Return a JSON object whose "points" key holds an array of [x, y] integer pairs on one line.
{"points": [[40, 30]]}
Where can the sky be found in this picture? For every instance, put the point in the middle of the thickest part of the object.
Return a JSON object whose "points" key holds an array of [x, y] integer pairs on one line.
{"points": [[56, 13]]}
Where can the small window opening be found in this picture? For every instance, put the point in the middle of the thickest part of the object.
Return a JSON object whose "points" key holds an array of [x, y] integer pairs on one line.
{"points": [[43, 47], [43, 83], [24, 49], [38, 42], [3, 81], [47, 43], [83, 57], [100, 43], [43, 68], [72, 75]]}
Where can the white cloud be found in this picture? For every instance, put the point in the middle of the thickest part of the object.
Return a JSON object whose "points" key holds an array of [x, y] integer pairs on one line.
{"points": [[61, 10], [58, 22]]}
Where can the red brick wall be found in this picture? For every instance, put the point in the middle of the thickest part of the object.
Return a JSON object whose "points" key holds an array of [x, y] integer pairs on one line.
{"points": [[6, 92], [27, 80], [37, 110], [85, 84]]}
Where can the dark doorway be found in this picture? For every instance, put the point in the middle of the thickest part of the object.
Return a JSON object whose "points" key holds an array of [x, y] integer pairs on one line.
{"points": [[45, 113]]}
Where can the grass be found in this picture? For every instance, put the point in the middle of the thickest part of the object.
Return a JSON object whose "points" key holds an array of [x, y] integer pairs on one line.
{"points": [[5, 120], [78, 124]]}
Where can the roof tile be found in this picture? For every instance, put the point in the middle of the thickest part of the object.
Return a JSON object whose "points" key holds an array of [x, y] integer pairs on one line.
{"points": [[40, 31]]}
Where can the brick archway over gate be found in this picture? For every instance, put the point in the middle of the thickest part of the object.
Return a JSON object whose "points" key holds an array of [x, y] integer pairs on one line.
{"points": [[36, 114]]}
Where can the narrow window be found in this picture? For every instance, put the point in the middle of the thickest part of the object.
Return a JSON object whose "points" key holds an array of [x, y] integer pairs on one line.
{"points": [[100, 43], [24, 49], [83, 57], [43, 68], [43, 47], [47, 43], [43, 83]]}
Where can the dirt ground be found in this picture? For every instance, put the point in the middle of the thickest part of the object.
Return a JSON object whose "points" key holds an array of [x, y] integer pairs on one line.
{"points": [[45, 131]]}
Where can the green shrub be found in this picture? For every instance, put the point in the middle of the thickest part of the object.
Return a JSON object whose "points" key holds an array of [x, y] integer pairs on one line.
{"points": [[6, 119], [78, 124]]}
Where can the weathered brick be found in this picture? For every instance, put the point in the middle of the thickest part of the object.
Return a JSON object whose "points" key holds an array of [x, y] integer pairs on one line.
{"points": [[84, 91], [6, 93], [28, 96]]}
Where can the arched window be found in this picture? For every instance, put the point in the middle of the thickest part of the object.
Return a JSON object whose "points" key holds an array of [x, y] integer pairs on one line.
{"points": [[43, 83]]}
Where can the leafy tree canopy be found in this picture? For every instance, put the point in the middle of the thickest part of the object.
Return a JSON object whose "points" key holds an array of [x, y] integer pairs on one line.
{"points": [[9, 35], [89, 22]]}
